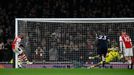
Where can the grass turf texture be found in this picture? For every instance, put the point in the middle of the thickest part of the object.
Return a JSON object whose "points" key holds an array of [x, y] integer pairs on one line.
{"points": [[66, 72]]}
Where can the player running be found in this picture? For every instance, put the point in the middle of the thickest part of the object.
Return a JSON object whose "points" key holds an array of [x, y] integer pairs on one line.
{"points": [[18, 49], [102, 46], [16, 44], [126, 48]]}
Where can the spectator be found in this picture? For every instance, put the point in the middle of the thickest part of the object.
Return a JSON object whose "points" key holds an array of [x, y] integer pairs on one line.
{"points": [[53, 54], [39, 54], [8, 53], [1, 50], [74, 33]]}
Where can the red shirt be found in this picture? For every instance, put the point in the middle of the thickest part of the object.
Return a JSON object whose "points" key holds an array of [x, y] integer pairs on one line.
{"points": [[14, 43], [127, 41]]}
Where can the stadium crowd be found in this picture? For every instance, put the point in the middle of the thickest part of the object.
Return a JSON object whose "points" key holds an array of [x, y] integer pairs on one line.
{"points": [[9, 10]]}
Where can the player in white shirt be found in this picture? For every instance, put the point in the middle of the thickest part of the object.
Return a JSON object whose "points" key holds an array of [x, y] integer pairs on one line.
{"points": [[127, 48]]}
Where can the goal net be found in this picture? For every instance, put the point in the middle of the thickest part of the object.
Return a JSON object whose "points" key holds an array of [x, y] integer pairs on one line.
{"points": [[68, 42]]}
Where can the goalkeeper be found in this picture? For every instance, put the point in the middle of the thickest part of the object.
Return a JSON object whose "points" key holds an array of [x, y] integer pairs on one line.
{"points": [[113, 53]]}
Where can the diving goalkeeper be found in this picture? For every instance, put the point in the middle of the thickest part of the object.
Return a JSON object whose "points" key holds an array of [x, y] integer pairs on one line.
{"points": [[113, 53]]}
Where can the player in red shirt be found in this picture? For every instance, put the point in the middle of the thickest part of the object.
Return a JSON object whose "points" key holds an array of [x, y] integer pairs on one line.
{"points": [[16, 44], [127, 48], [17, 48]]}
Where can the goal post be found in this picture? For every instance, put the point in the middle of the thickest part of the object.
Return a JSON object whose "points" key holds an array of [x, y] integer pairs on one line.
{"points": [[15, 54], [50, 37]]}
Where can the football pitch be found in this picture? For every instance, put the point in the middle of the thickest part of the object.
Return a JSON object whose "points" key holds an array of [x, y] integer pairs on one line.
{"points": [[45, 71]]}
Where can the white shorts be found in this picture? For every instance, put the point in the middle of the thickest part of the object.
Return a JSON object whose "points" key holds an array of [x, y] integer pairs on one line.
{"points": [[19, 51], [128, 52]]}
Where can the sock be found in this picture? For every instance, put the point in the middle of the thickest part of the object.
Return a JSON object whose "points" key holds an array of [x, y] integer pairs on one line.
{"points": [[130, 65], [129, 62], [103, 61], [19, 65], [103, 58]]}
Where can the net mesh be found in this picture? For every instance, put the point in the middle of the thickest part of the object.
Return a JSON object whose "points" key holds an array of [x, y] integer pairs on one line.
{"points": [[62, 44]]}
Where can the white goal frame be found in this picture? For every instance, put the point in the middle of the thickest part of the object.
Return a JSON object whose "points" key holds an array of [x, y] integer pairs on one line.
{"points": [[70, 20]]}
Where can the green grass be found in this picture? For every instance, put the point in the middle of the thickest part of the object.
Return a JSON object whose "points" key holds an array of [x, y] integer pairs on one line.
{"points": [[66, 72]]}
